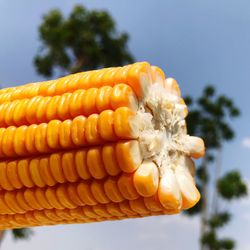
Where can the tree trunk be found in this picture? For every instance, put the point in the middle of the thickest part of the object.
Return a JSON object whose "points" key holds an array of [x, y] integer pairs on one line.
{"points": [[2, 233], [218, 167], [204, 207]]}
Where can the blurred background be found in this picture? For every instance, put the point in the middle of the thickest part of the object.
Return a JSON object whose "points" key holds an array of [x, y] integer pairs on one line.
{"points": [[204, 45]]}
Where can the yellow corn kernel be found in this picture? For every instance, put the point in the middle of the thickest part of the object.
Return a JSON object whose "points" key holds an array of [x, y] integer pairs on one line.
{"points": [[138, 206], [110, 161], [112, 191], [114, 209], [95, 163], [84, 192], [153, 204], [158, 75], [97, 189], [126, 187], [169, 191], [146, 179], [128, 155], [12, 175]]}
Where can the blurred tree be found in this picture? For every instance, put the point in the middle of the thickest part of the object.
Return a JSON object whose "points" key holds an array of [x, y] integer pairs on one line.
{"points": [[86, 40], [209, 118]]}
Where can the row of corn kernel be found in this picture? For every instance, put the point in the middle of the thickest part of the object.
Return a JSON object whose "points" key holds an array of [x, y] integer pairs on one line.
{"points": [[72, 83], [83, 193], [67, 106], [172, 187], [131, 75], [129, 208], [45, 138], [68, 84], [71, 166], [69, 195], [40, 219], [110, 211]]}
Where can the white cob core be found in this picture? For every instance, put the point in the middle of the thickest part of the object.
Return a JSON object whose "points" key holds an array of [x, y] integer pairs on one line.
{"points": [[163, 134]]}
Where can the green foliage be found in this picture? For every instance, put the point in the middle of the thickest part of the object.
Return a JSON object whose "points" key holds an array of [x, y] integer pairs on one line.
{"points": [[21, 233], [202, 174], [219, 220], [87, 39], [231, 186], [208, 118], [211, 241], [226, 244]]}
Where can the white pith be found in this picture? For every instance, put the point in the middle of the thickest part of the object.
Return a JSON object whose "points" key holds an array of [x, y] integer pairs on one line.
{"points": [[162, 128]]}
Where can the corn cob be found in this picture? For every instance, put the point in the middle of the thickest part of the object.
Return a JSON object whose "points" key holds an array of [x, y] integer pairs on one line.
{"points": [[100, 145]]}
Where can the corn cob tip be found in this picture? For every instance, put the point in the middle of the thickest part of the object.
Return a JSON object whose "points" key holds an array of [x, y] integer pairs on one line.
{"points": [[165, 144]]}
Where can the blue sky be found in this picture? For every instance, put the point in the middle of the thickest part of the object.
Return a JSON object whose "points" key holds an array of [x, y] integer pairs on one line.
{"points": [[196, 42]]}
